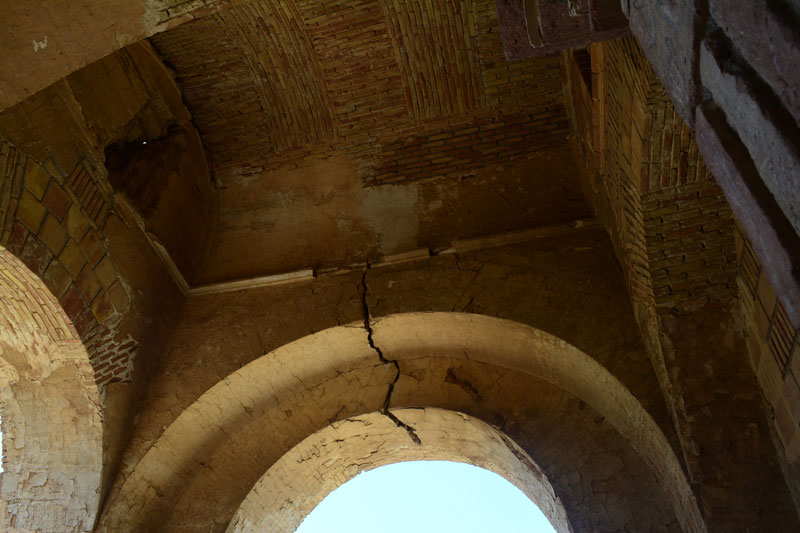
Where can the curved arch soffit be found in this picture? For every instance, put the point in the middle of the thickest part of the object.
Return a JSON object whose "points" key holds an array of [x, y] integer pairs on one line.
{"points": [[298, 367], [305, 475], [52, 426]]}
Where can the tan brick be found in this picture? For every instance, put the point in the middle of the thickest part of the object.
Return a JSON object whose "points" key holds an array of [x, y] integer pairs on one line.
{"points": [[766, 294], [92, 247], [77, 224], [53, 169], [36, 179], [102, 308], [769, 376], [72, 258], [57, 279], [791, 394], [30, 211], [106, 272], [53, 234], [88, 284], [56, 200], [119, 298], [787, 426]]}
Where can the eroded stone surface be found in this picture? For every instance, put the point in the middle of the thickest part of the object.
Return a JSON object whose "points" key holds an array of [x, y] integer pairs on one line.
{"points": [[52, 429], [283, 395], [300, 479]]}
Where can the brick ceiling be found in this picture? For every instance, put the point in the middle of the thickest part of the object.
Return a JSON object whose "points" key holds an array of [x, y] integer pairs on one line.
{"points": [[406, 89]]}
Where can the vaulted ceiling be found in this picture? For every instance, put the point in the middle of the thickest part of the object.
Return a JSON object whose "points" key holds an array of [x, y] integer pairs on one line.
{"points": [[311, 109], [381, 81]]}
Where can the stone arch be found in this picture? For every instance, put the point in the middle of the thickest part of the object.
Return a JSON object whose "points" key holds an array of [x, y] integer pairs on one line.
{"points": [[307, 473], [244, 424], [52, 424]]}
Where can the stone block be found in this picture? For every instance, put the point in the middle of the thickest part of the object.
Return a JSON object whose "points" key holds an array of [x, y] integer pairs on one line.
{"points": [[76, 222], [769, 232], [30, 211], [84, 322], [772, 138], [16, 240], [536, 27], [667, 32], [56, 200], [57, 279], [119, 298], [36, 256], [88, 284], [102, 307], [53, 234], [766, 33], [92, 247], [72, 258], [791, 393], [766, 294], [36, 179], [106, 272]]}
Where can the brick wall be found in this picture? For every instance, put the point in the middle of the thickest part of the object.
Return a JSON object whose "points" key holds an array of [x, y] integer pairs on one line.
{"points": [[674, 234], [669, 221], [774, 347], [690, 246], [56, 228], [402, 88]]}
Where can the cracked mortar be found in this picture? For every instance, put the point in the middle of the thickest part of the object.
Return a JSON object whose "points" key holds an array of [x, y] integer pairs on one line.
{"points": [[368, 326]]}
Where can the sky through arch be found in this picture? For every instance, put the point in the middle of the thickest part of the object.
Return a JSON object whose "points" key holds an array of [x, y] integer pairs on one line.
{"points": [[426, 497]]}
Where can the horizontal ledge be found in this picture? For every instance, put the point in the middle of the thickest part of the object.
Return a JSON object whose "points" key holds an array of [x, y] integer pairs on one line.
{"points": [[252, 283], [307, 274]]}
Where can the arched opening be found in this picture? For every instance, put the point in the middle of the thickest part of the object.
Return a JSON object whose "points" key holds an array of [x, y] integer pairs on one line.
{"points": [[324, 461], [426, 496], [52, 428], [590, 431]]}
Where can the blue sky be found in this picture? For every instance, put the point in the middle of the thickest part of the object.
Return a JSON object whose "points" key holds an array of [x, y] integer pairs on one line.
{"points": [[426, 497]]}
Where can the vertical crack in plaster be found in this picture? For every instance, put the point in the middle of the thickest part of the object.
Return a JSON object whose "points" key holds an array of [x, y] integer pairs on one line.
{"points": [[388, 400]]}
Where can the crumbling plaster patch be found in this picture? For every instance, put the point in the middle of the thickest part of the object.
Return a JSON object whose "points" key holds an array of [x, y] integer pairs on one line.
{"points": [[52, 429]]}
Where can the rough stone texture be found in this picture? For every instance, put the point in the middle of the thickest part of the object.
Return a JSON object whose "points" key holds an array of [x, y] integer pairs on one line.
{"points": [[535, 27], [52, 429], [642, 406], [771, 137], [284, 392], [761, 218], [772, 343], [299, 480], [45, 42], [575, 275], [63, 220], [766, 34], [74, 123], [670, 33], [670, 224], [322, 217]]}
